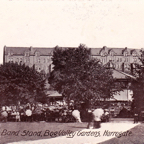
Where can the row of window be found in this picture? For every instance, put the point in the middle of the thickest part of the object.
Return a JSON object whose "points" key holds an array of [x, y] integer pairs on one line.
{"points": [[27, 60], [104, 54], [48, 60], [46, 69], [121, 66], [39, 60], [104, 60]]}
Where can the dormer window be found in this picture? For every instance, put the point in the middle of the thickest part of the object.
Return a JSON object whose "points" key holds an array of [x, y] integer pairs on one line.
{"points": [[125, 54], [27, 54], [112, 54], [37, 54], [134, 54], [9, 53], [103, 54]]}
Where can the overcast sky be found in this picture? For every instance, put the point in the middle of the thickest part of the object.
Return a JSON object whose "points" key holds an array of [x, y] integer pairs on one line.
{"points": [[43, 23]]}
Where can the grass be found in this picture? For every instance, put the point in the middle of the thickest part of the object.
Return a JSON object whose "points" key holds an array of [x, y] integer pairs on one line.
{"points": [[137, 137]]}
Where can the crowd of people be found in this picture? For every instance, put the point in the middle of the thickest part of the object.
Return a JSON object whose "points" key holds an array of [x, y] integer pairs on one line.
{"points": [[35, 112], [59, 113]]}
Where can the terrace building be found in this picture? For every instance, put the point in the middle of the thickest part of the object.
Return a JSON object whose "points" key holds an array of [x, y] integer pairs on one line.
{"points": [[123, 58]]}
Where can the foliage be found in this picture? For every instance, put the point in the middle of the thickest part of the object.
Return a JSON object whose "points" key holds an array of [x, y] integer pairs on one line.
{"points": [[20, 83], [138, 85], [80, 77]]}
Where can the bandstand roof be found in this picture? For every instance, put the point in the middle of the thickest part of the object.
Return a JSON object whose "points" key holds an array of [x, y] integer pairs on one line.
{"points": [[54, 94], [122, 75]]}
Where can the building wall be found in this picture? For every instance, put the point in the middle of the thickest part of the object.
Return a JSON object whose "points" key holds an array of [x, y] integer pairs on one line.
{"points": [[122, 58]]}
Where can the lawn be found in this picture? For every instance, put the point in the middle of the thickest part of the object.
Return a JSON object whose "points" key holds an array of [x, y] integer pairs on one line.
{"points": [[137, 137], [22, 131]]}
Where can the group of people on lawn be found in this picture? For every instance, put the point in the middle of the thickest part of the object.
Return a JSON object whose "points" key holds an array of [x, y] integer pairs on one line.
{"points": [[94, 116]]}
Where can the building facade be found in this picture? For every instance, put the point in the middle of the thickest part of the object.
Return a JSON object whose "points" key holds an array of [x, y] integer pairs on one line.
{"points": [[122, 58], [30, 56]]}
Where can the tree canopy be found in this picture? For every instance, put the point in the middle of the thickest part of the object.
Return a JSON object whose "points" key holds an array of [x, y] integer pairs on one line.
{"points": [[20, 83], [138, 85], [79, 77]]}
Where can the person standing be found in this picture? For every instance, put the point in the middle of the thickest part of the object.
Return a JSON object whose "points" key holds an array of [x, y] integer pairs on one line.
{"points": [[76, 115], [90, 119], [135, 115], [97, 114]]}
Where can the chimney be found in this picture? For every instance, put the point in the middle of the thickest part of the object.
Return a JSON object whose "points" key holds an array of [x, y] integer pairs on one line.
{"points": [[31, 49], [104, 47]]}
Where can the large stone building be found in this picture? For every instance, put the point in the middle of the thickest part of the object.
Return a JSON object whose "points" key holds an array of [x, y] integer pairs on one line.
{"points": [[122, 58], [31, 56]]}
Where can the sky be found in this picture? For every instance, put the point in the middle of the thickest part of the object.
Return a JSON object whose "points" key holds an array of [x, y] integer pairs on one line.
{"points": [[68, 23]]}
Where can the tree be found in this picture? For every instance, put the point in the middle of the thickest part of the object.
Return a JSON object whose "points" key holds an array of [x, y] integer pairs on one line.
{"points": [[138, 85], [79, 77], [20, 83]]}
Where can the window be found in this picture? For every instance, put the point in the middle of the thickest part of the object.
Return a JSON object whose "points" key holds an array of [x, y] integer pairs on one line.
{"points": [[37, 54], [20, 60], [38, 60], [27, 60], [10, 59], [134, 54], [26, 54], [103, 54], [125, 54], [117, 66], [36, 67], [135, 59], [112, 53], [9, 53], [48, 59], [44, 60]]}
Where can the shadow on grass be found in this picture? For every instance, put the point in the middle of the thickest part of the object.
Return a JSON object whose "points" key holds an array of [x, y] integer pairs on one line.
{"points": [[77, 127]]}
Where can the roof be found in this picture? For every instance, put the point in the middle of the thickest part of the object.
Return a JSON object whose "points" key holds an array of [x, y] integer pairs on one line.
{"points": [[117, 51], [54, 94], [121, 75], [125, 95], [49, 51], [32, 50]]}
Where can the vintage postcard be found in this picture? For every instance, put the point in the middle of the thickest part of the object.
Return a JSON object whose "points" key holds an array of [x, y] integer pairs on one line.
{"points": [[71, 71]]}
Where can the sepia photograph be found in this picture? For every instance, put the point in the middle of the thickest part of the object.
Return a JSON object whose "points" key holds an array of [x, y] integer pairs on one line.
{"points": [[71, 72]]}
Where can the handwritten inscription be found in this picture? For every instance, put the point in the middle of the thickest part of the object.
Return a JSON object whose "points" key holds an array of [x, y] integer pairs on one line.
{"points": [[67, 133]]}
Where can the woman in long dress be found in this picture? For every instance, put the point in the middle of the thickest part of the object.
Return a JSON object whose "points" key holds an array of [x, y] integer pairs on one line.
{"points": [[76, 115], [97, 114]]}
